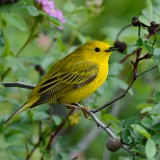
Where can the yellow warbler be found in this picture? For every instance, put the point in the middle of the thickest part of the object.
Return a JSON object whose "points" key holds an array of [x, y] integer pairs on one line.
{"points": [[73, 78]]}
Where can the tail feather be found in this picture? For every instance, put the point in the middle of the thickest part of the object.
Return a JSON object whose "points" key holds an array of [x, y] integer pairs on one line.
{"points": [[20, 109]]}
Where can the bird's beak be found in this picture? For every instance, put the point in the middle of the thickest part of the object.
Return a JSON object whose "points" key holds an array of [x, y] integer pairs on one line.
{"points": [[110, 49]]}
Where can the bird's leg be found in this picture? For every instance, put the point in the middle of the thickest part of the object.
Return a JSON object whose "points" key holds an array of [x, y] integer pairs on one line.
{"points": [[80, 107], [84, 110], [71, 106]]}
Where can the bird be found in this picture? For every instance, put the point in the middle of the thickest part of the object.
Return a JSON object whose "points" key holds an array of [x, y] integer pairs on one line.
{"points": [[73, 78]]}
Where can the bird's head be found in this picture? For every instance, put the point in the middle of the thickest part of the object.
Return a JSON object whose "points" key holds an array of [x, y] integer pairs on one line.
{"points": [[97, 49]]}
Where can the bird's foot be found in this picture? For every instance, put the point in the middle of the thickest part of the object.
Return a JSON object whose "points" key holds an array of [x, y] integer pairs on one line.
{"points": [[80, 107]]}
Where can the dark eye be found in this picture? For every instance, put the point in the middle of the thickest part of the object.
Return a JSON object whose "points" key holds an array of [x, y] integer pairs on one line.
{"points": [[97, 49]]}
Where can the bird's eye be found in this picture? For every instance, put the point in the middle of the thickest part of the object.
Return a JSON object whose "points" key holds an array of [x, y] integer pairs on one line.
{"points": [[97, 49]]}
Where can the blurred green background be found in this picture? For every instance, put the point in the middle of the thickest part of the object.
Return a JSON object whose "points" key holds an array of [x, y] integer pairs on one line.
{"points": [[85, 20]]}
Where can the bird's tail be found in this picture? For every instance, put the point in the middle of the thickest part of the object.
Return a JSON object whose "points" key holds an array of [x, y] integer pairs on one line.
{"points": [[20, 109]]}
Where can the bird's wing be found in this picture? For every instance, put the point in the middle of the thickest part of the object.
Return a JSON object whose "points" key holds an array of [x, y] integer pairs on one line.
{"points": [[65, 80]]}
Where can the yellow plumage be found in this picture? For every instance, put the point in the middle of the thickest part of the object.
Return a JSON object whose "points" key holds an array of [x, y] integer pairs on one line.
{"points": [[73, 78]]}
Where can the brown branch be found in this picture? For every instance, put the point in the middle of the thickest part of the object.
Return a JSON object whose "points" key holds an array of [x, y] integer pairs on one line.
{"points": [[125, 27], [29, 155], [106, 104], [126, 57], [17, 84], [54, 134], [135, 76]]}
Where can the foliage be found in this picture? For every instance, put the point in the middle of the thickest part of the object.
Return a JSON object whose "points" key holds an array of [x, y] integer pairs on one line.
{"points": [[32, 40]]}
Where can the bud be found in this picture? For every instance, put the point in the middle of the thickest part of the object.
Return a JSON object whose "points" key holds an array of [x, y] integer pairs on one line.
{"points": [[136, 22], [114, 144], [121, 45]]}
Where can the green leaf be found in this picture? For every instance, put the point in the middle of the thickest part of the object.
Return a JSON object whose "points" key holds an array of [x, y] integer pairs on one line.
{"points": [[2, 42], [57, 120], [55, 21], [139, 42], [108, 118], [143, 19], [147, 122], [157, 96], [127, 123], [150, 148], [115, 69], [123, 85], [3, 143], [14, 63], [148, 46], [81, 37], [156, 138], [131, 48], [38, 115], [145, 110], [141, 130], [17, 21], [155, 110], [156, 123], [61, 44], [78, 9], [156, 56], [144, 105], [33, 11], [150, 9]]}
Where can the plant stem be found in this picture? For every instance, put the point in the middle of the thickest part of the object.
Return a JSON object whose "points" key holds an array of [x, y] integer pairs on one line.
{"points": [[30, 37], [54, 134]]}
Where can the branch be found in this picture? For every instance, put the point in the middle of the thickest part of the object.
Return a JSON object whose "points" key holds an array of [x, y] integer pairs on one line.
{"points": [[114, 100], [125, 27], [54, 134], [17, 84], [30, 37], [29, 155], [107, 129], [135, 76], [102, 125]]}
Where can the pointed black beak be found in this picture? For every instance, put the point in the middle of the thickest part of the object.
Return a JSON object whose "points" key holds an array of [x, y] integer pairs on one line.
{"points": [[110, 49]]}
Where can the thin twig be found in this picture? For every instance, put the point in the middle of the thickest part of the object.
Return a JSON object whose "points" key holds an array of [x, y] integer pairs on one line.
{"points": [[125, 27], [114, 100], [148, 70], [29, 155], [126, 57], [133, 153], [102, 125], [29, 38], [22, 48], [54, 134], [27, 150], [135, 76], [5, 73], [34, 148]]}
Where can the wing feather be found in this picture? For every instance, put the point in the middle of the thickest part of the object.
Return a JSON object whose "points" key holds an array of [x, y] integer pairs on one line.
{"points": [[65, 80]]}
